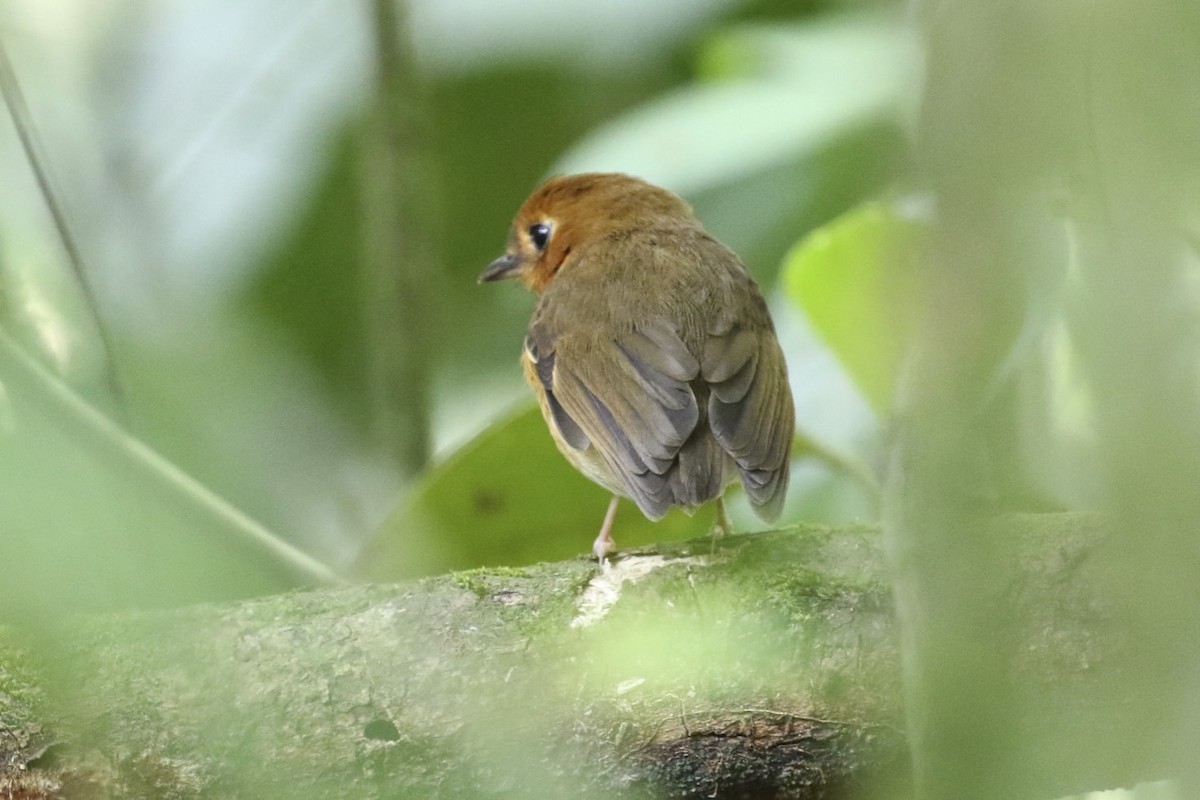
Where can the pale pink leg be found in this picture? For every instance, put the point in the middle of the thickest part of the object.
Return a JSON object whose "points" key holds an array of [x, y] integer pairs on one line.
{"points": [[722, 527], [604, 543]]}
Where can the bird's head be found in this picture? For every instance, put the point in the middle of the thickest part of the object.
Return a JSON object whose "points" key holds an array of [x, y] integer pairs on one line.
{"points": [[571, 211]]}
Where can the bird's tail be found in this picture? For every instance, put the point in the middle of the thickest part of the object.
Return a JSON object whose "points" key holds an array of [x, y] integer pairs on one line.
{"points": [[702, 468]]}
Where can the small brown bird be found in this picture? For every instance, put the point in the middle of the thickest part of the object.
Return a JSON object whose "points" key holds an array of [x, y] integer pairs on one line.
{"points": [[651, 351]]}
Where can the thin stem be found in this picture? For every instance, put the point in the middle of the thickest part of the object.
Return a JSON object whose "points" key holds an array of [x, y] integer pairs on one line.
{"points": [[22, 120], [399, 246], [93, 431]]}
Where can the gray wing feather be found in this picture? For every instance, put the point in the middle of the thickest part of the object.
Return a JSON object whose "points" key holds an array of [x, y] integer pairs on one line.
{"points": [[633, 397], [750, 411], [543, 360]]}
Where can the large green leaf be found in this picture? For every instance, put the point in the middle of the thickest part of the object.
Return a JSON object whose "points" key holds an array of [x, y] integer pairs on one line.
{"points": [[771, 93], [92, 519], [789, 125], [507, 497], [856, 278]]}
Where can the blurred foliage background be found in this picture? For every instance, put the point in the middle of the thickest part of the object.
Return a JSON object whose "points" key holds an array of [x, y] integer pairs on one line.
{"points": [[976, 226], [214, 164]]}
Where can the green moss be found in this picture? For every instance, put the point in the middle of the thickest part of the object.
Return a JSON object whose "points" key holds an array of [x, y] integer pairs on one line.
{"points": [[17, 685], [531, 601], [23, 718], [486, 581]]}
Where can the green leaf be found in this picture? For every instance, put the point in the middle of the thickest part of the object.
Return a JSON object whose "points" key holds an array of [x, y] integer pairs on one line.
{"points": [[93, 519], [508, 498], [856, 278], [786, 127], [771, 94]]}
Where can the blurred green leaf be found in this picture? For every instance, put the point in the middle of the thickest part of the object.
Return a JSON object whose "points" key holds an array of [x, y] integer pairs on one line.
{"points": [[771, 93], [93, 519], [797, 122], [856, 278], [507, 498]]}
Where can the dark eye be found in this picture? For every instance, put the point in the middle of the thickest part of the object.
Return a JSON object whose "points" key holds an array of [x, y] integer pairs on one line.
{"points": [[539, 234]]}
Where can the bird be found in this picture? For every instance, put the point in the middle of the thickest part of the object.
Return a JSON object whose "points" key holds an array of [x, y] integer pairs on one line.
{"points": [[651, 350]]}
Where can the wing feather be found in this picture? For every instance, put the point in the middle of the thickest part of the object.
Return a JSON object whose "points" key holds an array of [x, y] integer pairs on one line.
{"points": [[632, 395], [542, 359], [750, 411]]}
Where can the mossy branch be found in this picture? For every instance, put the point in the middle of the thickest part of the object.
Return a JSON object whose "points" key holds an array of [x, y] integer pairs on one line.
{"points": [[765, 668]]}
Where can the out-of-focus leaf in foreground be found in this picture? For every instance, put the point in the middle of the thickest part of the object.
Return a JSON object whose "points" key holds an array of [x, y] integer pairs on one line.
{"points": [[857, 280], [508, 497]]}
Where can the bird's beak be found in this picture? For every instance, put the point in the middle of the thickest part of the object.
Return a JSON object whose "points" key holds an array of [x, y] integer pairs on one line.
{"points": [[506, 266]]}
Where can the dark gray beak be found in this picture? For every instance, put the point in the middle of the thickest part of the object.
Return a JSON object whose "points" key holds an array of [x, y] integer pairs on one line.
{"points": [[505, 266]]}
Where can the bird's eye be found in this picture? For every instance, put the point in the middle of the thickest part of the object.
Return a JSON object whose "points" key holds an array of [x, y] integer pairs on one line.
{"points": [[539, 234]]}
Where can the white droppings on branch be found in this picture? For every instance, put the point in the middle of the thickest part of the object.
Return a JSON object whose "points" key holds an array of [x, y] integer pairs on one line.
{"points": [[604, 590]]}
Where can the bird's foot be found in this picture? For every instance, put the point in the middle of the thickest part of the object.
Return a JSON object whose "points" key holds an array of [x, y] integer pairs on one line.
{"points": [[722, 526]]}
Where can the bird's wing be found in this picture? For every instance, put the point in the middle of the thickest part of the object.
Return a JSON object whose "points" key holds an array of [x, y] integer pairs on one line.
{"points": [[639, 394], [750, 408], [627, 395], [539, 352]]}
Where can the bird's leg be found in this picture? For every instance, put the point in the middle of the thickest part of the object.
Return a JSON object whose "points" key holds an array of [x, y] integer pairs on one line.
{"points": [[722, 527], [604, 543]]}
